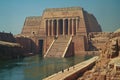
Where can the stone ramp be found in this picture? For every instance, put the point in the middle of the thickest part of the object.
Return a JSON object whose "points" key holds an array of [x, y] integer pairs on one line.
{"points": [[73, 71], [59, 47]]}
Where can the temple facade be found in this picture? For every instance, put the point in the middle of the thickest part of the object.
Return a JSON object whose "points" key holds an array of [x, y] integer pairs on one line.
{"points": [[72, 24]]}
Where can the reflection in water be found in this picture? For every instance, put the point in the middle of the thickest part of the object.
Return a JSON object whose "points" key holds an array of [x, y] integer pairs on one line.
{"points": [[35, 67]]}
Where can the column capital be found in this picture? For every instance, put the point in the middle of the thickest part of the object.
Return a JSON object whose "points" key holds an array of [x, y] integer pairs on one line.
{"points": [[45, 19], [48, 20], [52, 19], [57, 19], [77, 18], [63, 18], [73, 18], [69, 18]]}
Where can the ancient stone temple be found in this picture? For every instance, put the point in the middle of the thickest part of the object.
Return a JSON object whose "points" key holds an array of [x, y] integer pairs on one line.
{"points": [[59, 32]]}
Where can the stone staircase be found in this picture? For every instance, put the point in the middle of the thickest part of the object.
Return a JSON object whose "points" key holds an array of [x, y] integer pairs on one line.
{"points": [[59, 47]]}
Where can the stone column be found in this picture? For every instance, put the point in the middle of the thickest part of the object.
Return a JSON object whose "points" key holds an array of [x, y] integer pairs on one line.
{"points": [[76, 24], [72, 27], [48, 27], [45, 24], [57, 27], [51, 27], [68, 26], [63, 26]]}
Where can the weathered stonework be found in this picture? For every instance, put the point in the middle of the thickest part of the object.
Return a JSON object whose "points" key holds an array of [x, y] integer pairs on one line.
{"points": [[31, 26], [107, 66], [55, 22], [9, 49], [8, 37]]}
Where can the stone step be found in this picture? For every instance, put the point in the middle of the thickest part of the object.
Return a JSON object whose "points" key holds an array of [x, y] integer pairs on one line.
{"points": [[58, 47]]}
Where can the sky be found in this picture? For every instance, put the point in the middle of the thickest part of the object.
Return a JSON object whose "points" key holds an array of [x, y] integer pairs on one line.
{"points": [[14, 12]]}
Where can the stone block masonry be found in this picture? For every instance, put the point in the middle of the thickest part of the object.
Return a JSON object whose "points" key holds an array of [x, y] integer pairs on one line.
{"points": [[56, 22]]}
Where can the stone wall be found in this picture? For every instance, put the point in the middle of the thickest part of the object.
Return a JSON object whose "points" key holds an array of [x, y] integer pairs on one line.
{"points": [[10, 50], [79, 44], [67, 13], [35, 28], [31, 26], [70, 51], [48, 40], [97, 40], [62, 12], [8, 37], [91, 23], [28, 45], [86, 22]]}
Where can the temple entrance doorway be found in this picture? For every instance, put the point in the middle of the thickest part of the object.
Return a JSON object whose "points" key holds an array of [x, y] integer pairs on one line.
{"points": [[40, 47]]}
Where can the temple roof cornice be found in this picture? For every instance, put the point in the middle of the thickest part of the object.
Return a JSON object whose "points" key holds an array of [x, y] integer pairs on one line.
{"points": [[62, 9]]}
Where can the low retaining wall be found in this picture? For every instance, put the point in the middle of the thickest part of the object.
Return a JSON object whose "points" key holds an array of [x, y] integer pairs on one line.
{"points": [[79, 73], [73, 72], [10, 50]]}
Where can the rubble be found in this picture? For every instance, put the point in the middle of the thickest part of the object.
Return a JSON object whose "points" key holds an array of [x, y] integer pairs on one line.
{"points": [[108, 65]]}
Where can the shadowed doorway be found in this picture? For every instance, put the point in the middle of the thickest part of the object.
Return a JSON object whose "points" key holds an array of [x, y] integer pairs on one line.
{"points": [[40, 47]]}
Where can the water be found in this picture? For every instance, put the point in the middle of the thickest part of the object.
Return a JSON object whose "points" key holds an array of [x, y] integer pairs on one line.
{"points": [[35, 67]]}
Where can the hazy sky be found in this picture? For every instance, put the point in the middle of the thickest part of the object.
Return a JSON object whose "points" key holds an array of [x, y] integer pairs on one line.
{"points": [[14, 12]]}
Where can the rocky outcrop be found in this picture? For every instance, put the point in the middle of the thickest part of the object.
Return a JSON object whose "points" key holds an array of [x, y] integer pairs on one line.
{"points": [[117, 31], [107, 67], [10, 50], [8, 37]]}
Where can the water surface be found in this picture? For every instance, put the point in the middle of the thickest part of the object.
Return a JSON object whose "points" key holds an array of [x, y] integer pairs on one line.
{"points": [[36, 67]]}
